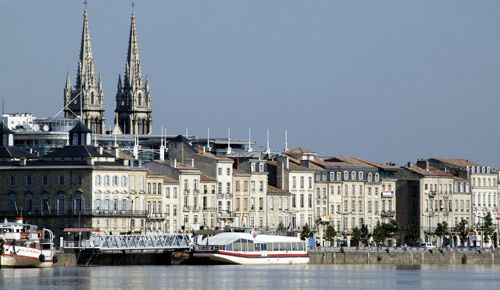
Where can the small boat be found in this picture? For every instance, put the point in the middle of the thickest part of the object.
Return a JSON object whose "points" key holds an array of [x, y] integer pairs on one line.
{"points": [[23, 245], [252, 249]]}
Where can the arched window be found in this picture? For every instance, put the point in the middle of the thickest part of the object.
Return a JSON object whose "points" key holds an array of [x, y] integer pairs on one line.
{"points": [[139, 99], [377, 177], [346, 175], [30, 202], [98, 180], [353, 175], [360, 175], [45, 204], [78, 202], [61, 203], [12, 202], [92, 99], [370, 177], [106, 180]]}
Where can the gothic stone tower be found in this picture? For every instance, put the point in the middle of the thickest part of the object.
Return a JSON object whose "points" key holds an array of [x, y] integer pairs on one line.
{"points": [[133, 99], [87, 90]]}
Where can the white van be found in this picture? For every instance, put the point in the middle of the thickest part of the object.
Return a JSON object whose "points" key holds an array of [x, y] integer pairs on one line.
{"points": [[427, 246]]}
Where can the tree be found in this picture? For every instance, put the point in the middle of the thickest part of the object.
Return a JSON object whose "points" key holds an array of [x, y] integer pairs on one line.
{"points": [[463, 231], [487, 227], [441, 230], [391, 229], [378, 233], [281, 227], [306, 232], [330, 234], [356, 236], [365, 234]]}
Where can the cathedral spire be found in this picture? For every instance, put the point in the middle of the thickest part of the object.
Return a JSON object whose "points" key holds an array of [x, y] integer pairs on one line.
{"points": [[85, 76], [133, 74], [86, 98]]}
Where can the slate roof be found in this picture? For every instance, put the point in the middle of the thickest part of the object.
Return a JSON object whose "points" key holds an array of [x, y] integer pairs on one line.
{"points": [[457, 162], [12, 152], [80, 128], [78, 151]]}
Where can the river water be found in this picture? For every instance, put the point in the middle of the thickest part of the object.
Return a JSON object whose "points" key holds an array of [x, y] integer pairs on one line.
{"points": [[255, 277]]}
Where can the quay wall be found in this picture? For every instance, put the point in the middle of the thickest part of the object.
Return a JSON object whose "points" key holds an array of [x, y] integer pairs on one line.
{"points": [[405, 258]]}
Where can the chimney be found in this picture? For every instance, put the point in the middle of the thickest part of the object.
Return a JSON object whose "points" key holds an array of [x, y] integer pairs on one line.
{"points": [[100, 150], [174, 165], [192, 162]]}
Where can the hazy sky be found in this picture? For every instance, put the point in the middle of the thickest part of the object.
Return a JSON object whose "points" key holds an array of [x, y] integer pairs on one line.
{"points": [[384, 80]]}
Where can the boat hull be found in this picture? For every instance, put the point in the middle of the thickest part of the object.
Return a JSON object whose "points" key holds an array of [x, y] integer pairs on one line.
{"points": [[25, 257], [254, 259]]}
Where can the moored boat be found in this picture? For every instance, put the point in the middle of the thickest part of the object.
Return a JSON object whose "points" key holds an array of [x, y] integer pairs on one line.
{"points": [[24, 245], [252, 249]]}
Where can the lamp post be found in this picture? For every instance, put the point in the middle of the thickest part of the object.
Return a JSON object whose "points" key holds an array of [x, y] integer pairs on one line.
{"points": [[431, 195], [131, 209]]}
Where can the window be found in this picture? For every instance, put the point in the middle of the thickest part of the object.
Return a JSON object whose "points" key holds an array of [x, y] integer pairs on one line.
{"points": [[302, 182], [310, 200], [370, 177], [310, 183], [124, 181], [228, 171], [12, 180], [45, 180], [294, 182], [377, 177], [261, 186], [252, 167], [28, 180], [228, 187], [339, 176], [360, 175], [60, 180], [115, 180], [346, 175], [237, 186], [219, 171], [302, 200], [353, 175], [261, 203], [106, 180], [261, 167], [79, 180]]}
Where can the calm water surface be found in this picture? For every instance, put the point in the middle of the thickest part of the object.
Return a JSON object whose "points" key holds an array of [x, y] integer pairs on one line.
{"points": [[255, 277]]}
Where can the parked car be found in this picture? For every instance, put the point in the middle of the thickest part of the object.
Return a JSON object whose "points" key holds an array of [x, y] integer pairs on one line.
{"points": [[427, 246]]}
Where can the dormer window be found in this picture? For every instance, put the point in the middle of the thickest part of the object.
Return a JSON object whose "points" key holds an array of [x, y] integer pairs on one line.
{"points": [[370, 177], [346, 175], [261, 167], [353, 175], [377, 177], [360, 175]]}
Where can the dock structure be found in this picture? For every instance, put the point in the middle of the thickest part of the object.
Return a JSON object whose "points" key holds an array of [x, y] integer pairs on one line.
{"points": [[133, 243]]}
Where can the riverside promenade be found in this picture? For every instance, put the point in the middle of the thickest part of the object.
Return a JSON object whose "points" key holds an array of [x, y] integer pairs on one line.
{"points": [[401, 256]]}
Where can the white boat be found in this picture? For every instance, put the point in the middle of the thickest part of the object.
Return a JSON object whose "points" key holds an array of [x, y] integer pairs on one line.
{"points": [[253, 249], [23, 245]]}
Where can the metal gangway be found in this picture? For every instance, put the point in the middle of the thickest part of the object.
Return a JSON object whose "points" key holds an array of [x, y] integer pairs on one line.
{"points": [[149, 242]]}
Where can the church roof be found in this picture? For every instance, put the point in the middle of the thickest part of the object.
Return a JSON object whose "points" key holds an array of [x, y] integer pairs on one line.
{"points": [[80, 128]]}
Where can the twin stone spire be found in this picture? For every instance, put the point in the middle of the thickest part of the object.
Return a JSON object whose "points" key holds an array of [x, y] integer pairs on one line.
{"points": [[86, 98]]}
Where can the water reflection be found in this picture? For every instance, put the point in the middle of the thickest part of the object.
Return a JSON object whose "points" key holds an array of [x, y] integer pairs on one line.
{"points": [[254, 277]]}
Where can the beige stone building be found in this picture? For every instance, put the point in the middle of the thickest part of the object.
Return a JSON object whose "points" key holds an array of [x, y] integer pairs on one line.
{"points": [[250, 193]]}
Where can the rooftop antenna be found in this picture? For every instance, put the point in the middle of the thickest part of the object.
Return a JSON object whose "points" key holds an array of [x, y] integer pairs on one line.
{"points": [[187, 133], [228, 141], [3, 105], [268, 150], [85, 4], [162, 147], [286, 140], [250, 140], [208, 140]]}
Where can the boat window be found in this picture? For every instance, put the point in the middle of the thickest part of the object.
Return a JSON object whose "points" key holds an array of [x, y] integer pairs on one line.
{"points": [[264, 247], [295, 246], [257, 247], [283, 247], [229, 247], [236, 247]]}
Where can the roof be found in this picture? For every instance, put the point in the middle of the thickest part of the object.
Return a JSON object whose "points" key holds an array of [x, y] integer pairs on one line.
{"points": [[80, 128], [299, 150], [206, 178], [12, 152], [4, 130], [386, 166], [431, 172], [78, 151], [231, 237], [457, 162], [276, 191], [212, 156]]}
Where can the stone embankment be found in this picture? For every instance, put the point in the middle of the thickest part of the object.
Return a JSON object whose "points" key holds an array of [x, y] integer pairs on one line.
{"points": [[401, 257]]}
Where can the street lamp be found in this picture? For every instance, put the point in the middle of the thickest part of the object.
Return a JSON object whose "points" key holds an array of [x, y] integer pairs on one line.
{"points": [[431, 195], [131, 209]]}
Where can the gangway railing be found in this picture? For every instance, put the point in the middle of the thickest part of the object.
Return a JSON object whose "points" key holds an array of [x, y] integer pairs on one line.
{"points": [[106, 242]]}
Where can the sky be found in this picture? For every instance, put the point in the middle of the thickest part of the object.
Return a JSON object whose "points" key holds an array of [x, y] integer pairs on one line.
{"points": [[388, 80]]}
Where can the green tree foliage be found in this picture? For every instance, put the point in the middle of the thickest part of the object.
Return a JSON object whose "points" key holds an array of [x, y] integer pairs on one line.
{"points": [[365, 234], [306, 232], [281, 227], [378, 233], [487, 227], [330, 234], [463, 231], [441, 229], [356, 236]]}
